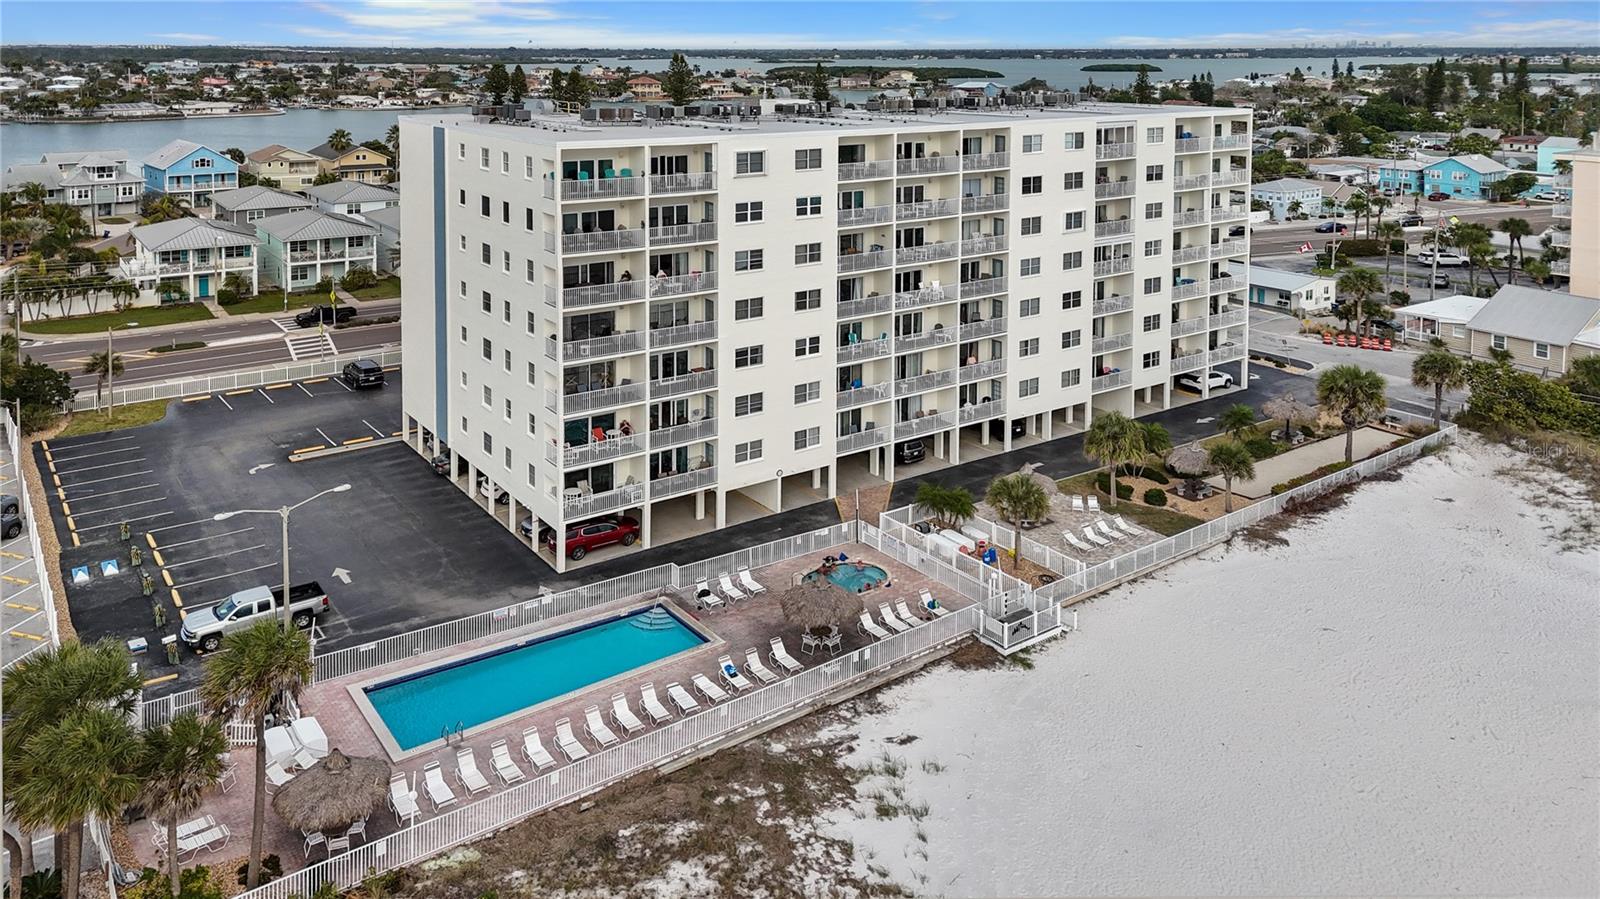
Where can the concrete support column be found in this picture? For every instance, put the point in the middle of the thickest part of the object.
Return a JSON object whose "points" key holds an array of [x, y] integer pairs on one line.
{"points": [[1166, 396], [888, 463], [983, 436], [699, 505], [955, 445], [644, 525], [816, 478], [1049, 425], [833, 479], [722, 508], [1007, 432], [938, 444], [511, 515], [561, 545], [872, 461]]}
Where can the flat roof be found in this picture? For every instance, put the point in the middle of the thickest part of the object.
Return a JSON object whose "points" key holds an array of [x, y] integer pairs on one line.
{"points": [[1458, 309]]}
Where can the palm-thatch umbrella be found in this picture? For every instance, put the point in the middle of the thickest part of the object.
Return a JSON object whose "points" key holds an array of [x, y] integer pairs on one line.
{"points": [[817, 604], [1031, 469], [1190, 460], [1288, 410], [333, 793]]}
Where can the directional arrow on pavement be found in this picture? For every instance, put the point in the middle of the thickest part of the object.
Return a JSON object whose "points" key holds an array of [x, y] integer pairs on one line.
{"points": [[262, 467], [342, 574], [1254, 376], [1205, 421]]}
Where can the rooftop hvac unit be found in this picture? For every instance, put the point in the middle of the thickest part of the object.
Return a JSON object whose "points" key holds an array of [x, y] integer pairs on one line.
{"points": [[590, 115]]}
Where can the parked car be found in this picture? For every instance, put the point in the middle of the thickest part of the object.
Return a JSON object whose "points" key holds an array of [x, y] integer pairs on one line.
{"points": [[327, 315], [204, 628], [1384, 324], [8, 504], [525, 528], [10, 523], [1236, 231], [1332, 227], [1411, 220], [1441, 280], [910, 451], [362, 373], [1216, 379], [1449, 259], [492, 491], [1438, 195], [591, 535], [1550, 195], [1019, 428], [441, 464]]}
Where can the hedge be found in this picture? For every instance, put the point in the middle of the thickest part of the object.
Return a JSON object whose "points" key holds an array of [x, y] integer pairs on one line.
{"points": [[1322, 472], [1155, 496], [1153, 472], [1124, 490], [1261, 447]]}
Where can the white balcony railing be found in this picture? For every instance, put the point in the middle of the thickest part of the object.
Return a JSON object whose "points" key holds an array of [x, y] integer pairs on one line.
{"points": [[1561, 267], [1190, 254], [590, 504], [704, 429], [932, 380], [1230, 178], [1182, 362], [1191, 217], [926, 253], [1105, 268], [601, 241], [982, 287], [861, 396], [692, 382], [927, 209], [1117, 228], [861, 171], [608, 345], [1111, 343], [860, 262], [677, 285], [986, 328], [602, 188], [982, 161], [978, 246], [936, 336], [927, 424], [1230, 142], [1190, 182], [977, 371], [1189, 289], [930, 165], [1229, 248], [674, 484], [860, 440], [602, 450], [862, 350], [1110, 190], [1113, 304], [1223, 284], [678, 335], [985, 203], [584, 401], [687, 183], [1111, 382], [926, 296], [1230, 319], [1114, 151], [867, 305], [1183, 327], [1559, 238], [1225, 354], [981, 411], [598, 294], [1229, 213], [674, 235], [867, 215], [1191, 144], [1561, 210]]}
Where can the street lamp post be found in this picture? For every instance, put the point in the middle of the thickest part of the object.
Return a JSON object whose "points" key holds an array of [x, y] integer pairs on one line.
{"points": [[283, 513]]}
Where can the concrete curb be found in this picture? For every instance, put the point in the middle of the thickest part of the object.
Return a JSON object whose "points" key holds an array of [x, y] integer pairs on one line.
{"points": [[360, 443]]}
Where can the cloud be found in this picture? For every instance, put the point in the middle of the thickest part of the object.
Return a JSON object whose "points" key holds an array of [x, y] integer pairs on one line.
{"points": [[1476, 34], [186, 36]]}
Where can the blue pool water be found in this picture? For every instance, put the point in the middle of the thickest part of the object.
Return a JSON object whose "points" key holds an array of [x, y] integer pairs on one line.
{"points": [[483, 688], [855, 580]]}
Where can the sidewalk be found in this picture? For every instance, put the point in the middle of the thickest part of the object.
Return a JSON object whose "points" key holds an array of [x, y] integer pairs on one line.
{"points": [[222, 317]]}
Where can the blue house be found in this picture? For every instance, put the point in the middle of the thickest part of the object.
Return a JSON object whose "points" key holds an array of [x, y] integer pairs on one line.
{"points": [[190, 171], [1548, 148], [1468, 176], [1400, 176]]}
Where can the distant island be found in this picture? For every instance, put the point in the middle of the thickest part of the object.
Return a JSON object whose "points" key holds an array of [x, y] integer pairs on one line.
{"points": [[1120, 67], [922, 73]]}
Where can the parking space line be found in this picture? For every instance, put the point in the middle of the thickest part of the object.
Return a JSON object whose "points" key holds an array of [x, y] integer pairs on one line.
{"points": [[96, 527], [126, 449], [27, 636], [237, 392], [115, 477], [219, 577], [234, 552], [278, 386], [374, 430], [310, 449], [315, 381], [325, 438], [304, 390], [13, 579], [356, 440], [11, 555], [196, 399], [93, 494], [18, 605], [98, 467], [171, 546], [170, 527], [341, 383], [77, 443], [161, 680], [142, 502], [225, 402], [265, 397]]}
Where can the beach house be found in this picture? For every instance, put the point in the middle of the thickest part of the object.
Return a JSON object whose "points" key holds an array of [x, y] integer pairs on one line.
{"points": [[292, 169], [189, 171], [1281, 194], [298, 249], [194, 253]]}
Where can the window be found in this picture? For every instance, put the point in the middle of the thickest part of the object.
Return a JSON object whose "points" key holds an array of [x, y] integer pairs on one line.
{"points": [[488, 348], [1072, 221], [1032, 143], [461, 198], [1033, 184], [1072, 260], [505, 213], [1072, 181], [748, 404], [1028, 307], [804, 206], [806, 253], [1070, 339], [463, 243], [1152, 248], [461, 153], [1029, 347], [202, 163], [1155, 135], [505, 262], [807, 300], [1072, 377], [1032, 225], [528, 272], [487, 255], [505, 311], [487, 302], [1458, 331], [747, 452], [748, 260], [1030, 266], [1541, 351], [488, 439], [746, 356], [505, 359], [1154, 173], [532, 373], [808, 159], [749, 162], [1072, 140], [748, 308], [1152, 322], [1072, 299], [532, 474], [748, 212], [531, 424], [807, 346], [809, 392], [527, 166], [483, 158], [1152, 285], [1028, 387], [507, 416], [505, 163], [1152, 211], [806, 438], [463, 333], [1151, 359], [300, 273]]}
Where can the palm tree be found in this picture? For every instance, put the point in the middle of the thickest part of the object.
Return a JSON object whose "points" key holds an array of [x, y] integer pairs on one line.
{"points": [[1372, 308], [1358, 285], [1515, 229], [1018, 498], [1378, 204], [256, 671], [166, 208], [105, 365], [1354, 394], [1356, 205], [33, 197], [1442, 370], [1537, 269], [392, 137], [1112, 439], [1294, 208], [1416, 201], [1230, 459], [182, 760], [1388, 232], [1237, 421], [1156, 441], [947, 505], [1500, 356], [340, 140]]}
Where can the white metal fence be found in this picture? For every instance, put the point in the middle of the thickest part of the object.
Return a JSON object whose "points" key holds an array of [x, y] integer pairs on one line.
{"points": [[177, 388], [40, 594], [652, 749]]}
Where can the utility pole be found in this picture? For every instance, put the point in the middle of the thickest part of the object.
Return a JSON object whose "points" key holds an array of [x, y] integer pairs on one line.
{"points": [[1433, 278], [111, 374]]}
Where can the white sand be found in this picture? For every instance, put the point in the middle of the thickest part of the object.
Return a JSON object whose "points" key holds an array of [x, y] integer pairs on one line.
{"points": [[1402, 701]]}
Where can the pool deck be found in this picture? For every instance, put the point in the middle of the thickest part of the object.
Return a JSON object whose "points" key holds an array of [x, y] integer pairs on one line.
{"points": [[751, 623]]}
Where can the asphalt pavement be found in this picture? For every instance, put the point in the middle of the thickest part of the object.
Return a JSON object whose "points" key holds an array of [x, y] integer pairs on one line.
{"points": [[1271, 240]]}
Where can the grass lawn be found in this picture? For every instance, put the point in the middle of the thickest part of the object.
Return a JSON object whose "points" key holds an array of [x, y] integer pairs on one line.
{"points": [[132, 415], [143, 316], [273, 302], [114, 220], [386, 289]]}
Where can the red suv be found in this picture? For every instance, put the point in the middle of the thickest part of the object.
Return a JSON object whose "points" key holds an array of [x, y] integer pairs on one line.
{"points": [[594, 534], [1438, 195]]}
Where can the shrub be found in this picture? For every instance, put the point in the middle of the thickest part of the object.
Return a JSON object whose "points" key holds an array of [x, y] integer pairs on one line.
{"points": [[1322, 472], [1155, 496], [1153, 472], [1261, 446], [358, 278], [1124, 490], [1361, 246], [271, 869], [226, 297], [325, 286]]}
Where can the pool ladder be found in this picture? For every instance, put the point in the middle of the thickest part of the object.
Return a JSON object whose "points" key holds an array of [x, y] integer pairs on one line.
{"points": [[655, 619], [456, 734]]}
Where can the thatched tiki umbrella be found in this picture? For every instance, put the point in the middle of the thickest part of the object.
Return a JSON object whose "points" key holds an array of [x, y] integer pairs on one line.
{"points": [[1288, 410], [334, 793], [1190, 460], [817, 604]]}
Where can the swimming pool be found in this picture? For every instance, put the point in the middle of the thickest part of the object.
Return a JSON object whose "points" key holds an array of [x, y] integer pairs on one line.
{"points": [[848, 577], [483, 688]]}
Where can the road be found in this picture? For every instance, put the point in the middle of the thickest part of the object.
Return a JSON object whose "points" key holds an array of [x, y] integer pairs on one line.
{"points": [[1276, 333], [1272, 240]]}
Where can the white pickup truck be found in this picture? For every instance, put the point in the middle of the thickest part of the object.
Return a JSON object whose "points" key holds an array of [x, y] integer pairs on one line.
{"points": [[204, 628]]}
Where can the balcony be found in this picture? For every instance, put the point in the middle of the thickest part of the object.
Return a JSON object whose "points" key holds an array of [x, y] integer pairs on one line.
{"points": [[704, 429], [1191, 254], [1111, 343], [1190, 182], [977, 329], [926, 296], [985, 203], [323, 255], [1111, 382], [1183, 327], [1192, 144], [861, 171], [1230, 319], [1229, 248], [1559, 238], [981, 161], [861, 262], [862, 350], [609, 345], [1113, 304], [978, 246], [931, 165], [1224, 284], [1229, 213], [1561, 267], [927, 209], [688, 183], [602, 188], [673, 485], [1192, 217], [977, 371], [229, 263], [1230, 178], [1561, 210], [1231, 142], [860, 440], [1105, 268], [1110, 190], [602, 451], [1182, 362], [1225, 354], [982, 287], [677, 285], [932, 380], [601, 294], [1114, 151], [1188, 288], [588, 505], [674, 235], [678, 335], [861, 396], [926, 253], [871, 304], [927, 424], [981, 411], [601, 241], [692, 382], [604, 398], [937, 336], [869, 215]]}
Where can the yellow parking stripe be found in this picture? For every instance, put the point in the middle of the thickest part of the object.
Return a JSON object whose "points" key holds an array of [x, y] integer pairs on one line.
{"points": [[45, 444], [11, 578], [52, 465], [11, 555], [196, 399], [156, 554], [70, 525], [393, 368], [150, 539], [161, 680], [167, 576], [237, 392], [57, 478], [75, 542], [396, 434], [278, 386], [310, 449], [61, 494], [316, 381], [176, 599], [66, 509], [356, 440], [25, 608], [27, 636]]}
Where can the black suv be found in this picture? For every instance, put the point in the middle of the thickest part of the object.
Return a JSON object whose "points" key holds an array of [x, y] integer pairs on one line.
{"points": [[327, 315], [910, 451], [362, 373]]}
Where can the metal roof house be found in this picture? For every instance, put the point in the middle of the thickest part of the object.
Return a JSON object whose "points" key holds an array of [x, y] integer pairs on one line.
{"points": [[298, 249], [1543, 330], [196, 253], [191, 171], [353, 198], [248, 205]]}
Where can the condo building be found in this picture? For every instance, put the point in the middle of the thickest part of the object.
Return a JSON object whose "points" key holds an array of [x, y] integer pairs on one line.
{"points": [[657, 317]]}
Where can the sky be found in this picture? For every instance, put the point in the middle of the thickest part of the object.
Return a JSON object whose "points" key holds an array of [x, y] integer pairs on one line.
{"points": [[861, 24]]}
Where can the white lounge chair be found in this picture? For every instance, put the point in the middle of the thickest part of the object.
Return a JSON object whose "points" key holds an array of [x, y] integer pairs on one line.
{"points": [[467, 773], [780, 657], [596, 726], [504, 767], [1129, 529], [1076, 542], [752, 664], [567, 743], [870, 627], [730, 673], [1096, 539], [308, 734], [704, 596], [1106, 528], [622, 716], [533, 750], [709, 690], [1077, 502], [682, 698], [651, 705], [932, 606], [402, 799], [277, 775], [891, 620], [728, 589], [439, 792], [905, 613], [1094, 503], [750, 583]]}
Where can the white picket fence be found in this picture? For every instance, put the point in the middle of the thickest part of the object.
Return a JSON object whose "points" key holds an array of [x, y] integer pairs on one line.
{"points": [[177, 388]]}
